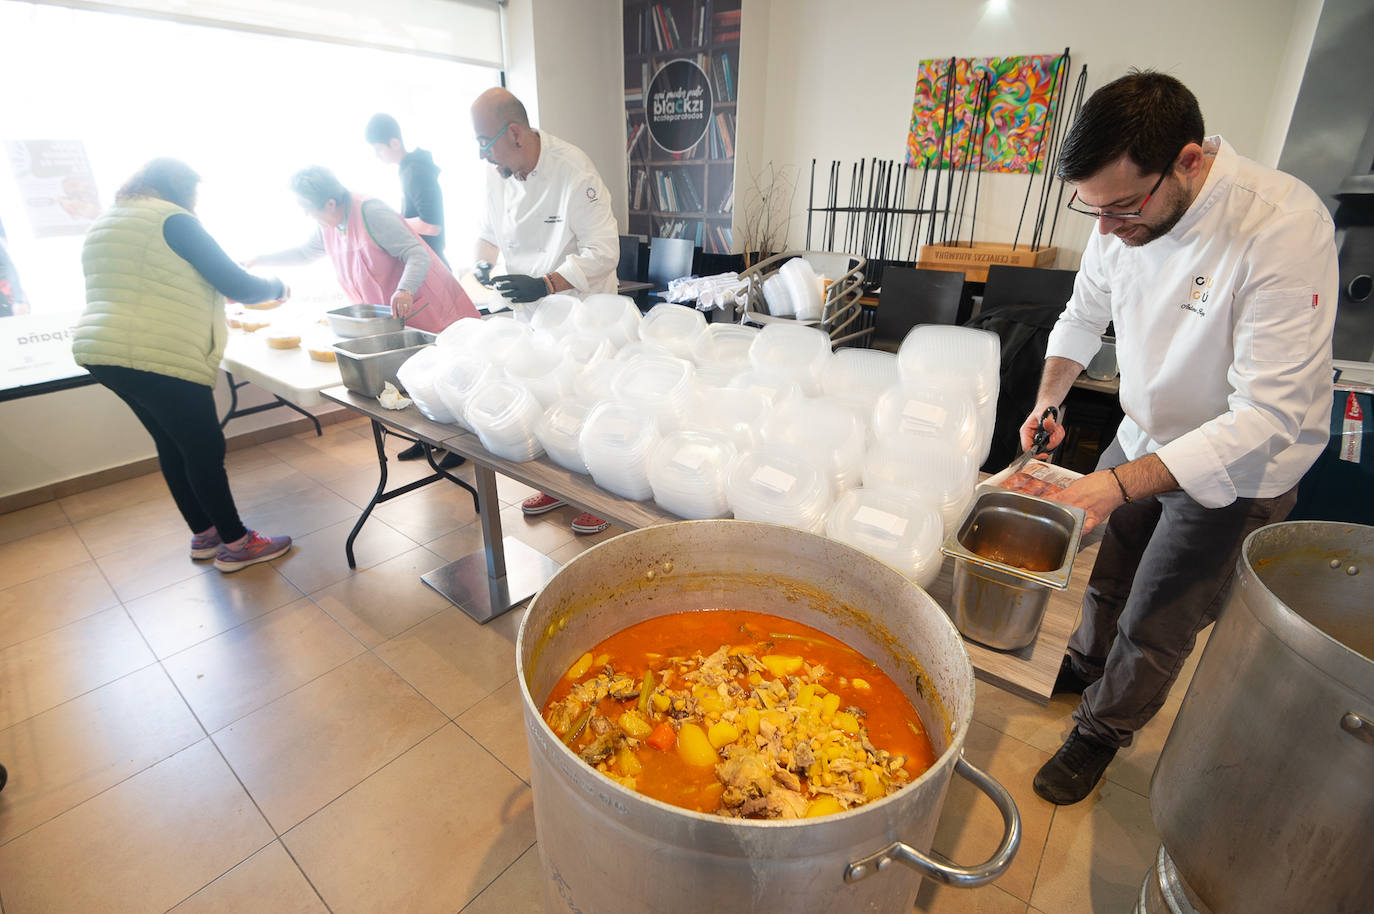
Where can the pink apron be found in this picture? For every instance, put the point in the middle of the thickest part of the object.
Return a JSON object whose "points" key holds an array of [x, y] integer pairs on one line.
{"points": [[370, 275]]}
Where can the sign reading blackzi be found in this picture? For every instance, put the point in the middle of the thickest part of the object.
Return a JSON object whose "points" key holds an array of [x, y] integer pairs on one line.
{"points": [[678, 106]]}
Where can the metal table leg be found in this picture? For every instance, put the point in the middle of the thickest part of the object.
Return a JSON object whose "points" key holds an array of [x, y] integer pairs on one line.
{"points": [[235, 412]]}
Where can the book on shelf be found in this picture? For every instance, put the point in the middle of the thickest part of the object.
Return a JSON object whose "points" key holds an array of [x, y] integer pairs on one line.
{"points": [[641, 182], [722, 138], [636, 133], [727, 203]]}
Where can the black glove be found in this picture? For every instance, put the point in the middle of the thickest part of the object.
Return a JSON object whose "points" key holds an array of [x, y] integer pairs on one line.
{"points": [[482, 272], [520, 289]]}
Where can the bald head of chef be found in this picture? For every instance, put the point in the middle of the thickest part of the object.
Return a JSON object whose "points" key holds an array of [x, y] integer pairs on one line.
{"points": [[504, 137]]}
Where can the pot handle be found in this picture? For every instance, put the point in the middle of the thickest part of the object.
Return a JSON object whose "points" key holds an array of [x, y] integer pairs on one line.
{"points": [[964, 877], [1358, 727]]}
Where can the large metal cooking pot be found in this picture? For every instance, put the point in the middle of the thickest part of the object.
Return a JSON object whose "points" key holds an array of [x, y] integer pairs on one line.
{"points": [[607, 849], [1264, 793]]}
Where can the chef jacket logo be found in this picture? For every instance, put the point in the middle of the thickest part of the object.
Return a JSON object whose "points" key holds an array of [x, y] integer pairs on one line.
{"points": [[678, 106], [591, 195], [1198, 294]]}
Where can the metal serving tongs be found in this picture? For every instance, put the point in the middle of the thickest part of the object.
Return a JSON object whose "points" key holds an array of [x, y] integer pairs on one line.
{"points": [[411, 316], [1038, 443]]}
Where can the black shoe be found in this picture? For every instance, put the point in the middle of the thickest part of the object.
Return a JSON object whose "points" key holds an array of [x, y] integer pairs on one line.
{"points": [[415, 452], [1068, 679], [1074, 771], [452, 460]]}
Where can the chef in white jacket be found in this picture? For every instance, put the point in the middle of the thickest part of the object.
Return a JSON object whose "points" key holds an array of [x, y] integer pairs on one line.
{"points": [[1219, 275], [549, 215]]}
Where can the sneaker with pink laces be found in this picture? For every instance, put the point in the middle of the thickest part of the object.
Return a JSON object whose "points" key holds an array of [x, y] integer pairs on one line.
{"points": [[255, 548], [205, 545], [589, 523], [540, 504]]}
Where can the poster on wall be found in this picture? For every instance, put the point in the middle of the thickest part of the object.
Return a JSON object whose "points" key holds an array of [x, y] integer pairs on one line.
{"points": [[681, 81], [56, 185], [1018, 112]]}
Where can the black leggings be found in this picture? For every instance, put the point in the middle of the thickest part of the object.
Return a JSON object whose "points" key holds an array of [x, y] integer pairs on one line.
{"points": [[182, 419]]}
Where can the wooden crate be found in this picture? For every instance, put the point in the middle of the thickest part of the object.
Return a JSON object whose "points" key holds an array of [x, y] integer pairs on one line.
{"points": [[974, 260]]}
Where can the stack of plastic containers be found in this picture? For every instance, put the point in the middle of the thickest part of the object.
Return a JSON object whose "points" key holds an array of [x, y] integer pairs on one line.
{"points": [[778, 295], [543, 368], [722, 352], [463, 335], [642, 348], [585, 350], [792, 351], [658, 386], [418, 376], [503, 336], [594, 383], [934, 471], [857, 377], [615, 442], [559, 429], [776, 389], [673, 326], [900, 529], [827, 431], [554, 315], [463, 373], [779, 486], [962, 358], [687, 472], [737, 414], [503, 414], [805, 286], [614, 317], [932, 413]]}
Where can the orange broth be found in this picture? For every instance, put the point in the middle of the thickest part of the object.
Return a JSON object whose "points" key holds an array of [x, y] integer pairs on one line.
{"points": [[888, 713]]}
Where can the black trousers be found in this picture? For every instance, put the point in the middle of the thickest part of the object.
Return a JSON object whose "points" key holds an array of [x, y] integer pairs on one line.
{"points": [[182, 419]]}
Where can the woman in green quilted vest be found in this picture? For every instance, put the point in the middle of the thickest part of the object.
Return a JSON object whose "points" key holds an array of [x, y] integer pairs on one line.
{"points": [[153, 332]]}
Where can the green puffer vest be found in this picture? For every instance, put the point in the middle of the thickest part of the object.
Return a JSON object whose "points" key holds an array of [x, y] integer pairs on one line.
{"points": [[146, 307]]}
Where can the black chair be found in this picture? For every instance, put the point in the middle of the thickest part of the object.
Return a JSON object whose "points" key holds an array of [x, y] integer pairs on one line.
{"points": [[909, 297], [628, 269], [1026, 286], [669, 259]]}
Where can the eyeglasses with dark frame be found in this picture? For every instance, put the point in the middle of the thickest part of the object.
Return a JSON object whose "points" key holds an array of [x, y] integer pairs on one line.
{"points": [[1132, 214], [484, 148]]}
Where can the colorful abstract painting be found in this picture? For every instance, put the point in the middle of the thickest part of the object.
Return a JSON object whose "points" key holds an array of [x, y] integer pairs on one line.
{"points": [[1018, 115]]}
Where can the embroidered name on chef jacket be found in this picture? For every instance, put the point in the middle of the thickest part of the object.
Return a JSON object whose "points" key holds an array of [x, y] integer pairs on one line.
{"points": [[1198, 294], [553, 220]]}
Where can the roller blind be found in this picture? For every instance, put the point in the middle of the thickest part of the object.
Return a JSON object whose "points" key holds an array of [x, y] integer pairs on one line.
{"points": [[468, 31]]}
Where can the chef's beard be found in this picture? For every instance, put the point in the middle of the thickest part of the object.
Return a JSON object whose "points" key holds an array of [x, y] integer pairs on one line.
{"points": [[1142, 233]]}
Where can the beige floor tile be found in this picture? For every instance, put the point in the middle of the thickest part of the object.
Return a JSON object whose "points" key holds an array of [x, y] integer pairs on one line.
{"points": [[118, 529], [545, 532], [425, 834], [498, 723], [150, 487], [52, 601], [300, 752], [141, 846], [518, 890], [339, 454], [1097, 853], [380, 602], [1134, 765], [461, 542], [989, 899], [176, 617], [70, 753], [247, 667], [317, 560], [16, 525], [248, 458], [151, 564], [451, 660], [40, 554], [970, 826], [268, 882], [359, 487], [512, 492], [266, 483], [300, 513], [43, 672], [431, 512], [1043, 726]]}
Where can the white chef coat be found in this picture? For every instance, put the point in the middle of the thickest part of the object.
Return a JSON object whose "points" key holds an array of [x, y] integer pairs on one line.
{"points": [[1223, 330], [557, 220]]}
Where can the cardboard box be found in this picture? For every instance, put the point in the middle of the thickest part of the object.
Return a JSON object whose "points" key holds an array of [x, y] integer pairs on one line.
{"points": [[974, 260]]}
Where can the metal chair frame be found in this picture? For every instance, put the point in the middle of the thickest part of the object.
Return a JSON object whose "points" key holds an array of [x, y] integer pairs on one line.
{"points": [[841, 307]]}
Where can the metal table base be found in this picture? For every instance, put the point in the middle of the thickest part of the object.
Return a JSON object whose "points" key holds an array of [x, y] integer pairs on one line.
{"points": [[234, 411], [469, 584]]}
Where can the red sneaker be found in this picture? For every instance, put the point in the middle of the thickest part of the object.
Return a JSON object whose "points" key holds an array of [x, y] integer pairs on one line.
{"points": [[540, 504], [589, 523]]}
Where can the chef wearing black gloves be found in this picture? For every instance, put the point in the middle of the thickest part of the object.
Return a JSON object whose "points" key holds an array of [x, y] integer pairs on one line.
{"points": [[522, 289]]}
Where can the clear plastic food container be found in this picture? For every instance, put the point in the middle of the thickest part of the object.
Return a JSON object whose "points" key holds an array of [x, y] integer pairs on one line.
{"points": [[659, 386], [543, 369], [613, 316], [902, 530], [615, 442], [687, 472], [935, 471], [418, 376], [673, 326], [773, 484], [792, 351], [503, 413], [932, 413], [553, 314], [859, 376], [559, 430], [827, 430], [463, 374]]}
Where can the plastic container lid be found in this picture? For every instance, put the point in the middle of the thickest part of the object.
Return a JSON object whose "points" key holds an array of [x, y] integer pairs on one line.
{"points": [[503, 336], [661, 386], [674, 326], [827, 430], [806, 289], [687, 472], [935, 471], [956, 354], [543, 369], [775, 485], [640, 348], [793, 351], [859, 376], [903, 530], [612, 316], [463, 373], [777, 293], [554, 313], [726, 344], [585, 350], [464, 335], [941, 415], [503, 414], [594, 383], [559, 429], [776, 389], [615, 442], [738, 414], [417, 375]]}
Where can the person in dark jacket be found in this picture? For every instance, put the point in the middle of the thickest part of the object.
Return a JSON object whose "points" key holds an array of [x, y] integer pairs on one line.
{"points": [[422, 202]]}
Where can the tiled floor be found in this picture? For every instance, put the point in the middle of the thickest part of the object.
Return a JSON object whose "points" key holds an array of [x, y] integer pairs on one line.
{"points": [[301, 738]]}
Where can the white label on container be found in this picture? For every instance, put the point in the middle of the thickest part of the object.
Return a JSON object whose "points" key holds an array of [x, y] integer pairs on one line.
{"points": [[619, 430], [565, 424], [922, 417], [890, 524], [690, 457], [774, 479]]}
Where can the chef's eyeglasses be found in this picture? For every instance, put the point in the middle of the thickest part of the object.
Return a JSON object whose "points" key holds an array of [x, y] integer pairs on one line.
{"points": [[484, 148], [1077, 207]]}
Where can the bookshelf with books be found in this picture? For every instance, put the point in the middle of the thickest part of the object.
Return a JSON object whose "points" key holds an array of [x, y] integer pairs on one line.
{"points": [[687, 194]]}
